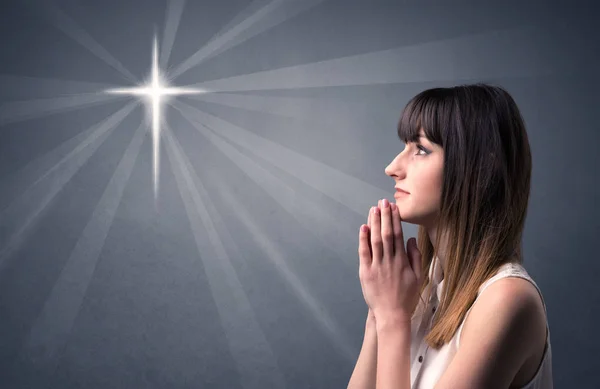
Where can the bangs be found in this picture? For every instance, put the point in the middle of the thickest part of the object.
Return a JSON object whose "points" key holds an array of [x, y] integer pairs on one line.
{"points": [[430, 110]]}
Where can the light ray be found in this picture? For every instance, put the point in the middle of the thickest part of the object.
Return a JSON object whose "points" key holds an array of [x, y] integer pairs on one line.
{"points": [[156, 96], [469, 57], [246, 13], [338, 186], [323, 224], [50, 330], [300, 108], [318, 123], [171, 25], [17, 217], [242, 330], [268, 16], [19, 181], [24, 87], [16, 111], [291, 202], [345, 189], [68, 26], [156, 92]]}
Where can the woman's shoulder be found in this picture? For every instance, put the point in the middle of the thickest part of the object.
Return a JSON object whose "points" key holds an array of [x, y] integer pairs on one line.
{"points": [[514, 271], [519, 325], [502, 336], [515, 292]]}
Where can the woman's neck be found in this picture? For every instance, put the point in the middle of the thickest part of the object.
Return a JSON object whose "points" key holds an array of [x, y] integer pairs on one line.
{"points": [[440, 254]]}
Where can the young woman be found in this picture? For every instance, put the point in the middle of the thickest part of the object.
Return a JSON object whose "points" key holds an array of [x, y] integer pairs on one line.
{"points": [[457, 309]]}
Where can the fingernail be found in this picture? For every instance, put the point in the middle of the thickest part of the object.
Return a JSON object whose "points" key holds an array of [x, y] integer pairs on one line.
{"points": [[385, 203], [393, 206]]}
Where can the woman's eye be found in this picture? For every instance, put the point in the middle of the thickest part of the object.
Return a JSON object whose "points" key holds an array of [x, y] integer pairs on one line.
{"points": [[421, 148]]}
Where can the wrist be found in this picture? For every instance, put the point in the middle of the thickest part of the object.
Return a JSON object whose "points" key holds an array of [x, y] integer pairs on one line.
{"points": [[393, 322], [370, 336], [370, 326]]}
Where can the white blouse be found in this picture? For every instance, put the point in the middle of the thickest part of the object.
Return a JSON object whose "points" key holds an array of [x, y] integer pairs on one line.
{"points": [[428, 365]]}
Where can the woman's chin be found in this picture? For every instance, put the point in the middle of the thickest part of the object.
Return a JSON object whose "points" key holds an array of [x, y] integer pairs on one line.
{"points": [[410, 217], [405, 216]]}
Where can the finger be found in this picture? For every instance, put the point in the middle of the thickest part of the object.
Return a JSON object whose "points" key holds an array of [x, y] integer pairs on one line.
{"points": [[387, 233], [364, 253], [400, 251], [398, 234], [415, 258], [369, 232], [376, 244]]}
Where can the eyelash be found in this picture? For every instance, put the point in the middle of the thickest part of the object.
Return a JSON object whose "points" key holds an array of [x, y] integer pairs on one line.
{"points": [[421, 148]]}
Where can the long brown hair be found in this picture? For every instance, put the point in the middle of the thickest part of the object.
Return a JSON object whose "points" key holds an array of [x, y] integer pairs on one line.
{"points": [[485, 190]]}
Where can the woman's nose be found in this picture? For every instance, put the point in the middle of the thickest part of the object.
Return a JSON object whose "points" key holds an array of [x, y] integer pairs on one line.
{"points": [[395, 167]]}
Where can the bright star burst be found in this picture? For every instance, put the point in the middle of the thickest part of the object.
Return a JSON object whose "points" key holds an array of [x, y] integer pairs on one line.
{"points": [[156, 92]]}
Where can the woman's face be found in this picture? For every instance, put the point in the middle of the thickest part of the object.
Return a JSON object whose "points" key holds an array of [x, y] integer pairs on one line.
{"points": [[418, 169]]}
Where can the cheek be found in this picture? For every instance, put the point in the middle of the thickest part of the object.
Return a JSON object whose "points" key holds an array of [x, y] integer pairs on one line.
{"points": [[433, 187], [429, 186]]}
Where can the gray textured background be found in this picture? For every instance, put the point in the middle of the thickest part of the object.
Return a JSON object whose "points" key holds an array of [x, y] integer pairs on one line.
{"points": [[243, 272]]}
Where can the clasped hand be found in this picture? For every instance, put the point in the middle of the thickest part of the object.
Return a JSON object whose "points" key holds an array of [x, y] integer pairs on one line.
{"points": [[390, 275]]}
